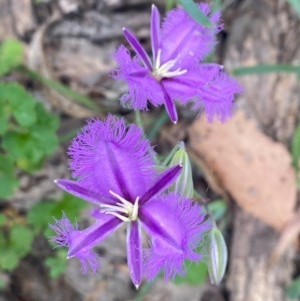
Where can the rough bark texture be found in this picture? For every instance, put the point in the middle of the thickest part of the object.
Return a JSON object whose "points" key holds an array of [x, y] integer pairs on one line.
{"points": [[264, 32], [267, 32], [252, 276]]}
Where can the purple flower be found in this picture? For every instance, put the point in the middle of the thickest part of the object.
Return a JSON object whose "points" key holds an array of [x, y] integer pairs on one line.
{"points": [[174, 73], [115, 170]]}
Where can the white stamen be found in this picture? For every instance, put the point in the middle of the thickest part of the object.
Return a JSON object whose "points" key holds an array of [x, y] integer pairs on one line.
{"points": [[161, 71], [121, 217], [125, 202], [130, 210]]}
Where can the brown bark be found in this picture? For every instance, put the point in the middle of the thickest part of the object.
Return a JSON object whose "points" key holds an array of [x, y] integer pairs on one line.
{"points": [[265, 32]]}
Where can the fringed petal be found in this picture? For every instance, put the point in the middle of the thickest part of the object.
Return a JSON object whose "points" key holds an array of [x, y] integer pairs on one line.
{"points": [[66, 235], [142, 86], [208, 87], [178, 231], [216, 94], [108, 155], [186, 40], [64, 230], [81, 243]]}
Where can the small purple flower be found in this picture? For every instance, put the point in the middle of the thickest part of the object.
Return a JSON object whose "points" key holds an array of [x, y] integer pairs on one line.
{"points": [[115, 170], [175, 74]]}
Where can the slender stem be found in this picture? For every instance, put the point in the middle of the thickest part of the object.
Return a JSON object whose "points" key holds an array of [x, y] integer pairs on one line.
{"points": [[158, 124], [138, 120]]}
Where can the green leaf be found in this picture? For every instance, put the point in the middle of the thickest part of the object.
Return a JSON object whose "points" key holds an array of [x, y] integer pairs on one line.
{"points": [[196, 274], [3, 242], [4, 117], [46, 119], [29, 146], [217, 208], [8, 178], [170, 4], [193, 10], [58, 264], [24, 149], [11, 56], [9, 260], [293, 290], [2, 219], [70, 205], [296, 148], [263, 69], [21, 103], [9, 183], [41, 214], [21, 238], [296, 5]]}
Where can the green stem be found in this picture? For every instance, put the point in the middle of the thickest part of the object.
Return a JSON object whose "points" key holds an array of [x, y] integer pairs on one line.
{"points": [[138, 120], [157, 125], [61, 89]]}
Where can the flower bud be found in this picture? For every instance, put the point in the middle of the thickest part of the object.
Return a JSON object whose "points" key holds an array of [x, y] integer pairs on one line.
{"points": [[184, 183], [217, 256]]}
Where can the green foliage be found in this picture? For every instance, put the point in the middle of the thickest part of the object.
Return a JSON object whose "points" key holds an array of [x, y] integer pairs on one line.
{"points": [[8, 177], [57, 264], [293, 290], [27, 133], [11, 56], [265, 69], [296, 148], [15, 242], [296, 152], [196, 274], [217, 209], [2, 219], [16, 239], [192, 9], [42, 213], [295, 5], [170, 4]]}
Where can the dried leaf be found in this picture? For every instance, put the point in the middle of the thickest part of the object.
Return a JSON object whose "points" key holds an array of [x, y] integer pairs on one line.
{"points": [[241, 161]]}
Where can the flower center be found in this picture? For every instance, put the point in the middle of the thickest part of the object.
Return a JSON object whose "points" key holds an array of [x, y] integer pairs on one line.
{"points": [[125, 210], [161, 71]]}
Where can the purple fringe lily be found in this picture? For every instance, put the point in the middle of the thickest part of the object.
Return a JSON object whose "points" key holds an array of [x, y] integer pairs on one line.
{"points": [[115, 170], [174, 73]]}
